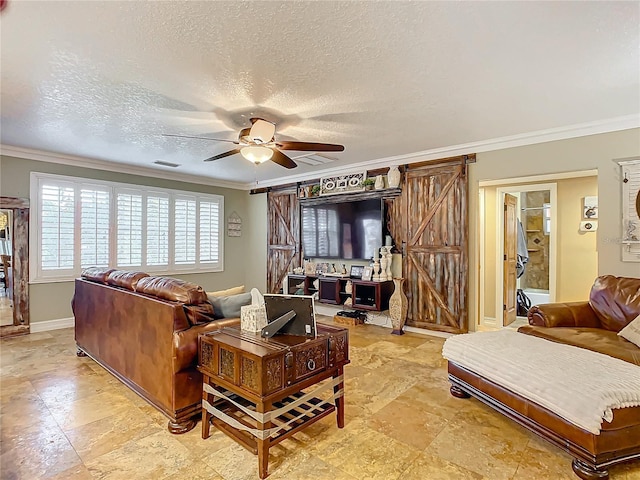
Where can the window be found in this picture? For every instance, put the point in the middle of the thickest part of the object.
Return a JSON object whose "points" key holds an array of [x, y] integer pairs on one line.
{"points": [[83, 223]]}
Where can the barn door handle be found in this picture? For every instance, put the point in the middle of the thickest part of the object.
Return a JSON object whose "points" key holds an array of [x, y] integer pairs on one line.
{"points": [[404, 245]]}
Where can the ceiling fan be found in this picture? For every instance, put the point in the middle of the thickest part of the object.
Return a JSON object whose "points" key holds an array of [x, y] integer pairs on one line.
{"points": [[258, 144]]}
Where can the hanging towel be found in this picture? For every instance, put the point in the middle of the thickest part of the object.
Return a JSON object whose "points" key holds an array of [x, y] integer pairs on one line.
{"points": [[522, 256]]}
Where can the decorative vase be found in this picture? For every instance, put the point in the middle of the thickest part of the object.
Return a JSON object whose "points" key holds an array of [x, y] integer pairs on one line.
{"points": [[398, 306], [379, 182], [393, 177]]}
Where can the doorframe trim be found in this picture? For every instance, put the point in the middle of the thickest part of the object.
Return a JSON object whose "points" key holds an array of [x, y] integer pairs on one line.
{"points": [[500, 191]]}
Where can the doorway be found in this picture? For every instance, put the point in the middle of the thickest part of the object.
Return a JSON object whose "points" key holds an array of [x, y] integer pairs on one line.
{"points": [[562, 259], [535, 238]]}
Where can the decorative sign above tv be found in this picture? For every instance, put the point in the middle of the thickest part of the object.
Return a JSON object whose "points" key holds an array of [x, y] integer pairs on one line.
{"points": [[342, 183]]}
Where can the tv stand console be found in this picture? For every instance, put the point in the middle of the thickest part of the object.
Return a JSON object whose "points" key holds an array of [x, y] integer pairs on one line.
{"points": [[366, 295]]}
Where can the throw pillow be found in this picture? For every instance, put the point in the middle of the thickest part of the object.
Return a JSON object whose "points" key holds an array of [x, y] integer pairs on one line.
{"points": [[632, 331], [229, 306], [227, 292]]}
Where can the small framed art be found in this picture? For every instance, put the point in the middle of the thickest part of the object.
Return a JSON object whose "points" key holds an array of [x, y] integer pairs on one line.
{"points": [[356, 271], [366, 273]]}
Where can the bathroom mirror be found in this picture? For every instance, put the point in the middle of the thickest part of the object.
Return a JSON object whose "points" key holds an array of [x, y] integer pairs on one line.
{"points": [[18, 264]]}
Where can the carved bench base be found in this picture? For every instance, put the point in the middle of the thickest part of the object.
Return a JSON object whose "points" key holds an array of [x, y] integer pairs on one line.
{"points": [[458, 392], [178, 428], [587, 472]]}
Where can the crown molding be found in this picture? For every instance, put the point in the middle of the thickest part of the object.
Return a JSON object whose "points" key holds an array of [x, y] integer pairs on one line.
{"points": [[541, 136], [84, 162]]}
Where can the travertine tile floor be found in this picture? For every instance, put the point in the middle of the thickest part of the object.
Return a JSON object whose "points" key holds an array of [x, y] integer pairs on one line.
{"points": [[64, 417]]}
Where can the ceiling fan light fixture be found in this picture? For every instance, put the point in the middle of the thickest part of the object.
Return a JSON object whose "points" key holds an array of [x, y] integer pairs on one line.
{"points": [[256, 153]]}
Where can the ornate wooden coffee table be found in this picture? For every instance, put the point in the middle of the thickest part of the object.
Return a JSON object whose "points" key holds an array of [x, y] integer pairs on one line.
{"points": [[260, 391]]}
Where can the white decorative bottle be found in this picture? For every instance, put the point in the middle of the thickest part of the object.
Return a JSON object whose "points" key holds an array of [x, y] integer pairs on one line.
{"points": [[393, 177], [379, 185]]}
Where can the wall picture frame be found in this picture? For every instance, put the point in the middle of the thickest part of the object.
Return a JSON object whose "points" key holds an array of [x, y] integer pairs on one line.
{"points": [[367, 272]]}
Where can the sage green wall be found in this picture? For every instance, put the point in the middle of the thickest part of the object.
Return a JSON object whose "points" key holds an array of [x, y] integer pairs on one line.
{"points": [[50, 301], [576, 154], [255, 267]]}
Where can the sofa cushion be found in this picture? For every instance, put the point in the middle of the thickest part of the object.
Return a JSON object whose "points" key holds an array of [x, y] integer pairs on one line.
{"points": [[615, 300], [227, 292], [172, 289], [632, 331], [595, 339], [96, 274], [124, 279], [229, 306]]}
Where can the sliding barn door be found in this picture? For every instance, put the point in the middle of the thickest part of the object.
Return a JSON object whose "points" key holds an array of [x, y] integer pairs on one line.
{"points": [[283, 250], [435, 232]]}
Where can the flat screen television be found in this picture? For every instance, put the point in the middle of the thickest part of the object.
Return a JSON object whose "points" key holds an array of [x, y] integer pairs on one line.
{"points": [[348, 230]]}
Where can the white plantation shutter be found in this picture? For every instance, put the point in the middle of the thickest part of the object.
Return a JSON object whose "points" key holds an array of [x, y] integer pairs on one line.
{"points": [[83, 223], [129, 226], [157, 230], [94, 227], [209, 232], [57, 225], [185, 231]]}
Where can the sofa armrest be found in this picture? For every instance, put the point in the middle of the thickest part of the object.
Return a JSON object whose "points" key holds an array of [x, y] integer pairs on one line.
{"points": [[185, 342], [574, 314]]}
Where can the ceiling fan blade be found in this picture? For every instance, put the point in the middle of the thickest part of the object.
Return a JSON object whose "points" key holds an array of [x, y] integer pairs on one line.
{"points": [[222, 155], [199, 138], [310, 147], [281, 159]]}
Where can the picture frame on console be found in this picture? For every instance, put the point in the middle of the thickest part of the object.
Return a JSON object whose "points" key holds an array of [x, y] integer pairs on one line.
{"points": [[367, 272], [356, 271]]}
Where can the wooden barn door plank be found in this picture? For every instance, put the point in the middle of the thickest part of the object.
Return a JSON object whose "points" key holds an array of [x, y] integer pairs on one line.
{"points": [[283, 250], [433, 209]]}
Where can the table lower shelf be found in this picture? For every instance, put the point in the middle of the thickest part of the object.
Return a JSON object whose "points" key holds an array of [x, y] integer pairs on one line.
{"points": [[284, 425]]}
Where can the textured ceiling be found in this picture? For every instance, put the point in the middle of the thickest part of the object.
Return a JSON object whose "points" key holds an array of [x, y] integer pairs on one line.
{"points": [[104, 80]]}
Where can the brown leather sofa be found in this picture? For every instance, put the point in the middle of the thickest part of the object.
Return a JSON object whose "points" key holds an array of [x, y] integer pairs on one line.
{"points": [[613, 303], [144, 330]]}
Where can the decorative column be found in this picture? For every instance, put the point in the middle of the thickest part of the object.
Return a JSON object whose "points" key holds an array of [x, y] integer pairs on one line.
{"points": [[389, 256], [383, 264], [376, 267], [398, 306]]}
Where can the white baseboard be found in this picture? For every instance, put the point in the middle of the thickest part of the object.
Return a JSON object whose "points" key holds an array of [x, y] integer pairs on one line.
{"points": [[380, 319], [56, 324]]}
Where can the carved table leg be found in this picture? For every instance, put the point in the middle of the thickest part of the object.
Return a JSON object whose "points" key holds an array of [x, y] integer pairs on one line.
{"points": [[458, 392], [181, 427], [206, 416], [340, 400], [587, 472], [263, 443], [80, 352]]}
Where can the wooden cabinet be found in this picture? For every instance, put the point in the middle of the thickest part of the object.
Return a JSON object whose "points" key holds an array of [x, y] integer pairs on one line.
{"points": [[366, 295], [371, 295]]}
